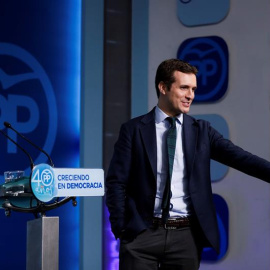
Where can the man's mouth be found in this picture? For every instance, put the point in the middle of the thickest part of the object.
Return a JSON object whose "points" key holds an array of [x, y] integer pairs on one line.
{"points": [[186, 104]]}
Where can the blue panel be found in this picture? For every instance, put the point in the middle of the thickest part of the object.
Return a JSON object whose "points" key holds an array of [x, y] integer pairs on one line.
{"points": [[223, 223], [210, 55], [92, 130], [197, 12], [218, 170], [39, 95], [139, 79]]}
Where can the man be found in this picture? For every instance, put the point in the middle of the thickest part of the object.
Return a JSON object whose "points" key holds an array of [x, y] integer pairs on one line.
{"points": [[158, 185]]}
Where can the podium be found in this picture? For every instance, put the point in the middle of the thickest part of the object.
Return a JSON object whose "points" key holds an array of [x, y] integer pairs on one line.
{"points": [[47, 188], [42, 244]]}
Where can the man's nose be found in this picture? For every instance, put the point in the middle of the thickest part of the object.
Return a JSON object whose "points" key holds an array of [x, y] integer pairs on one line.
{"points": [[189, 94]]}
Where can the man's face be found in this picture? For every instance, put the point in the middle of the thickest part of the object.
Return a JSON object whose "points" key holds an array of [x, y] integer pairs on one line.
{"points": [[179, 98]]}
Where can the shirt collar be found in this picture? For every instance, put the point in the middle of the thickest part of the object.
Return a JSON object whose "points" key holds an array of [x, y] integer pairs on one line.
{"points": [[160, 116]]}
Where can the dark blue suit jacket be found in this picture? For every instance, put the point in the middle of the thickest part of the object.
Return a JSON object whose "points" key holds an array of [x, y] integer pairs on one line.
{"points": [[131, 178]]}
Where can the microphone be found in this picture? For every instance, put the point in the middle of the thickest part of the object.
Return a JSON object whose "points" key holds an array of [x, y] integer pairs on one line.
{"points": [[8, 125], [31, 160]]}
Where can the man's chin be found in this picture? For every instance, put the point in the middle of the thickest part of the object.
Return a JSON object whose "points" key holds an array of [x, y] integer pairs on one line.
{"points": [[186, 110]]}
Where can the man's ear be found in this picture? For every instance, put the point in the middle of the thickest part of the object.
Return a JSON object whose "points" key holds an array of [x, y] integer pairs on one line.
{"points": [[162, 88]]}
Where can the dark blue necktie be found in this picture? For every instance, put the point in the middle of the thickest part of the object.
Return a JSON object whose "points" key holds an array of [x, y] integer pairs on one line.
{"points": [[171, 144]]}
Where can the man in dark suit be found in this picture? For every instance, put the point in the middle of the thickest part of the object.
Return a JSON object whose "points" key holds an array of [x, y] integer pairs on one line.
{"points": [[161, 203]]}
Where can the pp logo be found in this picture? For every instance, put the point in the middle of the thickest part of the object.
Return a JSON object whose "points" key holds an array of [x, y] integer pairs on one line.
{"points": [[27, 101], [47, 177], [195, 12], [210, 56], [218, 170], [42, 182]]}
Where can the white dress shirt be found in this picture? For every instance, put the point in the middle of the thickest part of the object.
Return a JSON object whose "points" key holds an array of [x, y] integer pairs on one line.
{"points": [[180, 203]]}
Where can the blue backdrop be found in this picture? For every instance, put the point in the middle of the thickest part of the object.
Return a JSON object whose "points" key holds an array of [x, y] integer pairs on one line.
{"points": [[39, 95]]}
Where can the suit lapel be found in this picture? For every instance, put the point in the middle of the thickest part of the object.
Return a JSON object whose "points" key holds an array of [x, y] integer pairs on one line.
{"points": [[148, 133], [190, 135]]}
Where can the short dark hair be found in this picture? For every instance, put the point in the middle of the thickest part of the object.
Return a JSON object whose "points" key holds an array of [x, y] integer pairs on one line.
{"points": [[167, 68]]}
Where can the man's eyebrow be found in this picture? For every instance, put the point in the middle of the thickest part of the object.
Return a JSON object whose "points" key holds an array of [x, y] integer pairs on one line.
{"points": [[187, 86]]}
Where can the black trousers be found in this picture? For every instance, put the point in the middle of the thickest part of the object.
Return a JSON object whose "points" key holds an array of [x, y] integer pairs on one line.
{"points": [[158, 248]]}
